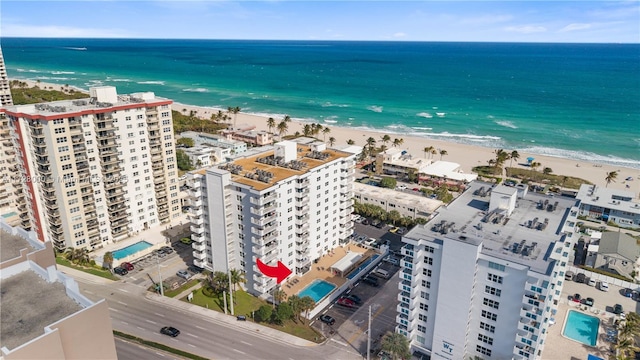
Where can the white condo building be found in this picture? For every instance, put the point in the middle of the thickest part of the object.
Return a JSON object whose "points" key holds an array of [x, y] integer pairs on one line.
{"points": [[292, 202], [483, 278], [95, 170]]}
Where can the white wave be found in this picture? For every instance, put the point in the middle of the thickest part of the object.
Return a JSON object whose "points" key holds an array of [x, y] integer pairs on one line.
{"points": [[425, 115], [489, 116], [120, 80], [583, 156], [435, 108], [421, 128], [53, 78], [505, 123], [441, 114], [464, 136], [33, 71], [329, 104], [330, 121], [375, 108], [198, 90], [62, 72], [75, 48], [152, 82]]}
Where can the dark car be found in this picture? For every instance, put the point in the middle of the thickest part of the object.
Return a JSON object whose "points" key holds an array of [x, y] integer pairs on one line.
{"points": [[370, 281], [617, 309], [327, 319], [355, 298], [576, 298], [581, 278], [588, 301], [380, 225], [627, 293], [170, 330], [120, 271], [195, 269], [375, 222], [365, 222], [127, 265], [167, 249]]}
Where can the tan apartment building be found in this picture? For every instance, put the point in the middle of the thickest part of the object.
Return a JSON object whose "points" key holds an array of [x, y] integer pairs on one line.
{"points": [[58, 323], [96, 170]]}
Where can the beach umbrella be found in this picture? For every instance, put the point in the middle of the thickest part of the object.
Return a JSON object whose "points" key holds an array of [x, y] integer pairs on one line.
{"points": [[530, 160]]}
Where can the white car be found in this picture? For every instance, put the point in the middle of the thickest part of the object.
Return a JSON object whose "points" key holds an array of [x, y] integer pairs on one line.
{"points": [[592, 282], [402, 187], [603, 286], [391, 260], [370, 242]]}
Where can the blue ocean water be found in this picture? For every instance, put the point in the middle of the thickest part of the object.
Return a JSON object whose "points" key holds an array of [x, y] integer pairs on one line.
{"points": [[579, 101]]}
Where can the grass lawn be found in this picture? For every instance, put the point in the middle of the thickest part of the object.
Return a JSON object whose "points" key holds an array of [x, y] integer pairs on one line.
{"points": [[552, 179], [90, 270], [187, 285], [245, 304]]}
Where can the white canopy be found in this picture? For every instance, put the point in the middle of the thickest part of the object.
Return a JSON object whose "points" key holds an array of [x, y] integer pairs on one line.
{"points": [[347, 262]]}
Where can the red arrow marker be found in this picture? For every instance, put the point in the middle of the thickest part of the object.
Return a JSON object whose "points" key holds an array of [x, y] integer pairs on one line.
{"points": [[279, 272]]}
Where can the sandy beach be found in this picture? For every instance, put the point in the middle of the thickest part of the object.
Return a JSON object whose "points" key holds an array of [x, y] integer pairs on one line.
{"points": [[466, 155]]}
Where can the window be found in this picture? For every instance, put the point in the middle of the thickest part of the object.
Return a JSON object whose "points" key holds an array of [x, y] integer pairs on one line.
{"points": [[491, 303], [492, 290], [487, 327], [428, 260], [485, 339], [429, 249], [494, 278], [489, 315], [422, 329], [483, 350], [426, 272], [422, 317], [426, 284], [496, 266], [63, 148], [424, 307]]}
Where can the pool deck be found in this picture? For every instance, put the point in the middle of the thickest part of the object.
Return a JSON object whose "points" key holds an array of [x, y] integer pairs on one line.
{"points": [[557, 346], [322, 271]]}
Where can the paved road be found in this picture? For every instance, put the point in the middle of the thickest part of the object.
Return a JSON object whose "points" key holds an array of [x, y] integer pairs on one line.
{"points": [[201, 334], [130, 351]]}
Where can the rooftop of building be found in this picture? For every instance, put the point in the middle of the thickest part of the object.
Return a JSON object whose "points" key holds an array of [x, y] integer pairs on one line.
{"points": [[29, 304], [509, 239], [100, 102], [11, 245], [608, 198], [250, 169], [209, 137], [398, 197]]}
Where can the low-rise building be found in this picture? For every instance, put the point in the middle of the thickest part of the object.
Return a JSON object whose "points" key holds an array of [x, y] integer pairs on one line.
{"points": [[253, 137], [440, 172], [412, 205], [616, 252], [609, 205], [201, 156], [44, 315], [199, 138]]}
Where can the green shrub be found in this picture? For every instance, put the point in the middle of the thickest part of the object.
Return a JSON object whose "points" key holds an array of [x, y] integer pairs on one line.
{"points": [[208, 291]]}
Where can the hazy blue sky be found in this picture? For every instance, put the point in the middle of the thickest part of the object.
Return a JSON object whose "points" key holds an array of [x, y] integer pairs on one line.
{"points": [[538, 21]]}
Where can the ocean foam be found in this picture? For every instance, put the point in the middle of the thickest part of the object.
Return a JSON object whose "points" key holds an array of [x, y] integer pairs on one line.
{"points": [[198, 90], [62, 72], [441, 114], [425, 115], [152, 82], [505, 123], [375, 108], [329, 104], [583, 156], [421, 128]]}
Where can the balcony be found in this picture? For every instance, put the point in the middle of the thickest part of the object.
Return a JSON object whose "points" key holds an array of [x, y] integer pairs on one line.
{"points": [[302, 245], [106, 135], [105, 145], [197, 237], [195, 193], [302, 198], [302, 192], [302, 237], [261, 211], [197, 203], [199, 263], [199, 255], [196, 212], [197, 220], [120, 231], [263, 221], [302, 227], [110, 169], [51, 205], [79, 148], [302, 210], [119, 215], [264, 200], [303, 262], [196, 229], [199, 246], [302, 219], [263, 250], [301, 183], [106, 160], [156, 158]]}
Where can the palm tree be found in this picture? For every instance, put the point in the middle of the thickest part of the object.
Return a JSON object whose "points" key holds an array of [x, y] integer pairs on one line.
{"points": [[325, 131], [234, 111], [287, 119], [350, 142], [385, 139], [427, 150], [397, 142], [534, 165], [397, 345], [332, 141], [316, 128], [307, 304], [219, 281], [282, 128], [383, 148], [370, 143], [295, 301], [611, 177], [107, 260], [514, 155], [271, 124], [279, 296], [237, 277], [78, 256], [442, 153], [307, 130]]}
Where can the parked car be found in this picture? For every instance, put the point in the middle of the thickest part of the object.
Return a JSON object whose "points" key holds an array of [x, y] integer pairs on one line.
{"points": [[581, 278], [241, 318], [327, 319], [167, 249], [365, 221], [402, 187], [370, 281], [391, 260], [627, 292], [160, 253], [603, 286], [355, 217], [393, 230], [375, 222], [370, 242], [170, 330], [401, 231], [617, 309], [576, 298], [184, 274], [127, 265], [588, 301], [195, 269], [592, 282], [343, 301], [186, 241], [120, 271], [380, 225], [355, 298], [568, 275]]}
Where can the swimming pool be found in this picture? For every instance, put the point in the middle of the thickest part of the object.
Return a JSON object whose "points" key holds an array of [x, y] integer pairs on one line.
{"points": [[130, 250], [581, 327], [317, 290], [8, 215]]}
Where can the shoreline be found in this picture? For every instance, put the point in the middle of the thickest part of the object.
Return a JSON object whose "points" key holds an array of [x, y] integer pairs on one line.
{"points": [[468, 156]]}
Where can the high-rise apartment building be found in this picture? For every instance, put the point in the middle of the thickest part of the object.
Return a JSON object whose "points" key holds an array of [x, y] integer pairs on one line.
{"points": [[484, 276], [96, 170], [291, 202], [8, 195]]}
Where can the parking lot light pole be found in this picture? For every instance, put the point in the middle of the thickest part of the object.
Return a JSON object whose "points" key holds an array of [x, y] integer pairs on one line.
{"points": [[369, 336], [160, 275]]}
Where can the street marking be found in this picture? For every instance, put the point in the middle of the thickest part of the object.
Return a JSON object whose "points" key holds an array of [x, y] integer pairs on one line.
{"points": [[89, 292], [246, 343], [200, 327], [132, 278], [141, 328], [123, 290], [195, 336], [238, 351], [160, 354], [122, 303], [191, 345], [112, 309], [152, 322], [339, 342], [124, 322], [159, 315]]}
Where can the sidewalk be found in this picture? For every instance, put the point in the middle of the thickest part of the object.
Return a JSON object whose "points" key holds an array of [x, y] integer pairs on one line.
{"points": [[230, 321], [83, 275]]}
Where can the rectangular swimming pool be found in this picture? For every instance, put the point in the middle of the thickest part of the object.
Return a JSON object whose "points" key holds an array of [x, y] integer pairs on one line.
{"points": [[130, 250], [317, 290], [581, 327]]}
